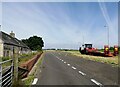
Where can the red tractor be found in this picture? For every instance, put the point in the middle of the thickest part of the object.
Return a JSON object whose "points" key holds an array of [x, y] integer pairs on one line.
{"points": [[87, 49]]}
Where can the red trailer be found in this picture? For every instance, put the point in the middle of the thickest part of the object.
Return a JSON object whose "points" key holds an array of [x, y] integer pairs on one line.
{"points": [[89, 50]]}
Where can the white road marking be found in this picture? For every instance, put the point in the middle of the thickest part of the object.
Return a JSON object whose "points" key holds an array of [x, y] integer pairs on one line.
{"points": [[64, 62], [68, 64], [96, 82], [35, 81], [82, 73], [73, 67]]}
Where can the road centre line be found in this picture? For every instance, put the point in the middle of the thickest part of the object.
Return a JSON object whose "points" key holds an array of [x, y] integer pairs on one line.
{"points": [[81, 73], [68, 64], [35, 81], [93, 80], [96, 82], [73, 67], [64, 62]]}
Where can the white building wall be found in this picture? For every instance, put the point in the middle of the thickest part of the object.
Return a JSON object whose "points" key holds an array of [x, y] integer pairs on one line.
{"points": [[1, 48]]}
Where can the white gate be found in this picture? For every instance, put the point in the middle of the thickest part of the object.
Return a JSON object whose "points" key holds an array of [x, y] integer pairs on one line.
{"points": [[6, 73]]}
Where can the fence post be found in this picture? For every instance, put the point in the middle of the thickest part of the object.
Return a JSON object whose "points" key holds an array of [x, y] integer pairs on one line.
{"points": [[15, 65]]}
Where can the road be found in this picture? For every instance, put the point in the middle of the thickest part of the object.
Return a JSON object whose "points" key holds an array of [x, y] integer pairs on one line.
{"points": [[62, 68]]}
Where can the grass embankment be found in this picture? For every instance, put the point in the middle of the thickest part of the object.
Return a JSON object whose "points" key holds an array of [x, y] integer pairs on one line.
{"points": [[25, 57], [109, 60], [28, 81]]}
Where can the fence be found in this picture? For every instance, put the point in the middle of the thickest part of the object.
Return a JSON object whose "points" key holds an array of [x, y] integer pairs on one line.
{"points": [[7, 70], [6, 73]]}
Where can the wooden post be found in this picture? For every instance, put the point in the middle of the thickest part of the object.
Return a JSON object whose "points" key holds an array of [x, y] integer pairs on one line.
{"points": [[15, 65]]}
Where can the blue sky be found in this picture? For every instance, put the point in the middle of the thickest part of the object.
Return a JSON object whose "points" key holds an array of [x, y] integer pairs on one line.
{"points": [[62, 24]]}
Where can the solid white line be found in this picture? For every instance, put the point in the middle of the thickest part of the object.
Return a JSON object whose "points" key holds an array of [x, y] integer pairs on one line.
{"points": [[97, 83], [82, 73], [68, 64], [73, 67], [35, 81]]}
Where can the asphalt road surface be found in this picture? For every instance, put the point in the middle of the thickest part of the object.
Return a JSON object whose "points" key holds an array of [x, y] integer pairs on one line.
{"points": [[62, 68]]}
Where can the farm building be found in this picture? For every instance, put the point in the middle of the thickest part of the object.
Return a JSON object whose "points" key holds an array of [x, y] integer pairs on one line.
{"points": [[10, 45]]}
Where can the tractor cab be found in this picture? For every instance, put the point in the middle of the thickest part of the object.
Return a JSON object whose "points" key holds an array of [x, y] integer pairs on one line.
{"points": [[88, 45], [86, 48]]}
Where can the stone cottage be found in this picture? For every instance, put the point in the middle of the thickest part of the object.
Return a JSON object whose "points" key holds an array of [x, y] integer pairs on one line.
{"points": [[10, 45]]}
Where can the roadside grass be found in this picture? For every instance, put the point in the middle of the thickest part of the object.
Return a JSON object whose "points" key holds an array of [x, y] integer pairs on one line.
{"points": [[21, 59], [109, 60], [5, 65], [28, 81], [25, 57]]}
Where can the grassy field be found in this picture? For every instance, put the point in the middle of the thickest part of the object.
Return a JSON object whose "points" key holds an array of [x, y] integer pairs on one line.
{"points": [[109, 60]]}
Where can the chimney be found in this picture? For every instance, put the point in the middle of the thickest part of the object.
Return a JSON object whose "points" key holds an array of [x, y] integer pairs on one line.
{"points": [[12, 34]]}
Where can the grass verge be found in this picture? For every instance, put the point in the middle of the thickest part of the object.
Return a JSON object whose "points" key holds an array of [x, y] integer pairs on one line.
{"points": [[109, 60], [28, 81], [25, 57]]}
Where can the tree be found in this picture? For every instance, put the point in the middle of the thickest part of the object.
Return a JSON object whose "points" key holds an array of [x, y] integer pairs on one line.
{"points": [[111, 48], [34, 43]]}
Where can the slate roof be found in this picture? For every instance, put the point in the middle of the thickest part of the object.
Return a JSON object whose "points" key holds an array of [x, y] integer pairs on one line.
{"points": [[7, 39]]}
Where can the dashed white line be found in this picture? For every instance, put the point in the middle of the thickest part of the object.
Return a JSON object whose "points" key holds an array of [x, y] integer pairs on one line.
{"points": [[64, 62], [68, 64], [73, 67], [35, 81], [81, 73], [96, 82]]}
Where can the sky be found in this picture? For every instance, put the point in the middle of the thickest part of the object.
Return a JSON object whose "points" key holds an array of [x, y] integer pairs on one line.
{"points": [[62, 24]]}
